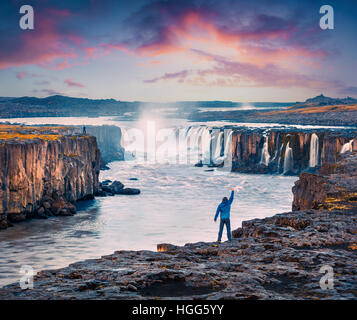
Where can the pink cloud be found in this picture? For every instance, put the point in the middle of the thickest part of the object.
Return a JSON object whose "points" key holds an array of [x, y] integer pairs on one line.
{"points": [[43, 45], [20, 75], [23, 74], [181, 75], [265, 39], [226, 73], [72, 83]]}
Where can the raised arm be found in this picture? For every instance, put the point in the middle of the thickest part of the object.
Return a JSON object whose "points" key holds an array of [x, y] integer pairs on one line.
{"points": [[231, 197], [217, 213]]}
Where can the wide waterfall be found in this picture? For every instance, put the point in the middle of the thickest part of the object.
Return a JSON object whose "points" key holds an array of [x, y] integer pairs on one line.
{"points": [[265, 158], [253, 151], [314, 151], [288, 159], [189, 145], [347, 147]]}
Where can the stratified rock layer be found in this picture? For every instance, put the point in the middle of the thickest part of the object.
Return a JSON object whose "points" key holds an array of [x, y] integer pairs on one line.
{"points": [[248, 145], [334, 187], [40, 177]]}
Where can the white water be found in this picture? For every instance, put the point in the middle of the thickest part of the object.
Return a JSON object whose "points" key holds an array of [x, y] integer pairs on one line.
{"points": [[265, 158], [218, 148], [314, 151], [347, 147], [288, 159]]}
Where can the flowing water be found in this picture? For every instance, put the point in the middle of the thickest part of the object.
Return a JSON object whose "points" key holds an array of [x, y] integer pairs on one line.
{"points": [[314, 151], [288, 158], [265, 152], [348, 146]]}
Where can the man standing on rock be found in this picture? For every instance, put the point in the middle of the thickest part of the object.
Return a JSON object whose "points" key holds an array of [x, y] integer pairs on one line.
{"points": [[224, 208]]}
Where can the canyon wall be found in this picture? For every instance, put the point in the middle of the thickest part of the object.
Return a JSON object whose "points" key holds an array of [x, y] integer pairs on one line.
{"points": [[109, 142], [287, 152], [333, 187], [42, 177]]}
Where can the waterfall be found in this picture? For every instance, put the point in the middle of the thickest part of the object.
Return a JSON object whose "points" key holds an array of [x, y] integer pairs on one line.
{"points": [[314, 151], [347, 147], [288, 159], [195, 144], [228, 144], [218, 150], [265, 157], [279, 157], [206, 145]]}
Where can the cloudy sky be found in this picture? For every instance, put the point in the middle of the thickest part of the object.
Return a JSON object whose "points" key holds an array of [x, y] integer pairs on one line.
{"points": [[151, 50]]}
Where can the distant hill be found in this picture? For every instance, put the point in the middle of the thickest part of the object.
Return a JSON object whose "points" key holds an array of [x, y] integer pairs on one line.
{"points": [[62, 106], [322, 100]]}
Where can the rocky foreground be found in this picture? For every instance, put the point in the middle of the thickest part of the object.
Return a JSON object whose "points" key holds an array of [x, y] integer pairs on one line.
{"points": [[273, 258]]}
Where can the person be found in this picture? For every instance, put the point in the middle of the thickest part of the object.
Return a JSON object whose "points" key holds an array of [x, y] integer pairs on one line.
{"points": [[224, 209], [84, 130]]}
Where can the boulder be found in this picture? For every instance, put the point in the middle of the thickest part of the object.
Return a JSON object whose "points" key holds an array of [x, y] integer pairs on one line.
{"points": [[62, 207], [116, 187], [129, 191], [100, 193], [199, 164]]}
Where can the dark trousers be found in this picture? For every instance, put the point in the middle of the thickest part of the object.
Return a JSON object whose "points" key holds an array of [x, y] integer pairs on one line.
{"points": [[226, 222]]}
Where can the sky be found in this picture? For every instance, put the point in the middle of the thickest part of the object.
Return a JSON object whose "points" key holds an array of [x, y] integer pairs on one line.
{"points": [[148, 50]]}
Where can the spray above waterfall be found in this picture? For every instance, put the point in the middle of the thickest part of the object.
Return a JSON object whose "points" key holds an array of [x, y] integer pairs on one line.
{"points": [[183, 145]]}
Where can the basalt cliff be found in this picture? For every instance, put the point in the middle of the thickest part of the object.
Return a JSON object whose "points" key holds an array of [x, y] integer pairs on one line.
{"points": [[333, 187], [283, 151], [44, 171]]}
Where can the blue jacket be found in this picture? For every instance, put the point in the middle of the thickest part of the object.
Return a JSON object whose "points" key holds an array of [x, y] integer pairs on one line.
{"points": [[225, 208]]}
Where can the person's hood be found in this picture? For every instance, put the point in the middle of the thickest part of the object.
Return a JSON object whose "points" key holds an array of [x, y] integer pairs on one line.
{"points": [[224, 203]]}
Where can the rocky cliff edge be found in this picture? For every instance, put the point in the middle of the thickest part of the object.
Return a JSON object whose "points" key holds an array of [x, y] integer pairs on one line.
{"points": [[43, 171]]}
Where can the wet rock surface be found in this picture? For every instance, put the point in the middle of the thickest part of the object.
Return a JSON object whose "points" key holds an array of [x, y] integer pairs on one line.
{"points": [[109, 188]]}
